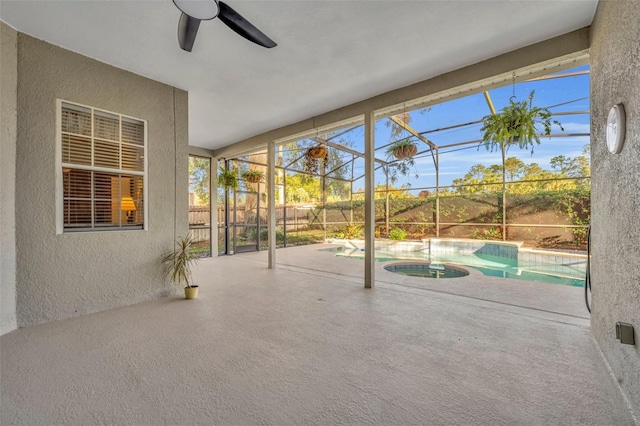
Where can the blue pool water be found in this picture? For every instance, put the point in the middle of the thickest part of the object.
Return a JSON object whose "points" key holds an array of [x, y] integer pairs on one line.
{"points": [[493, 266]]}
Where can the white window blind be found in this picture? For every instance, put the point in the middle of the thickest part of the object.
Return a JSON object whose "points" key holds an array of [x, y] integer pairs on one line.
{"points": [[103, 169]]}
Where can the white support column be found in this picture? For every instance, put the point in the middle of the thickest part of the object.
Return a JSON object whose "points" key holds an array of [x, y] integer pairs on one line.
{"points": [[271, 197], [213, 205], [369, 200]]}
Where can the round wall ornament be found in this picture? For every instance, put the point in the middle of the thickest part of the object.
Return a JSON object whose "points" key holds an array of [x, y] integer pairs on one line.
{"points": [[616, 129]]}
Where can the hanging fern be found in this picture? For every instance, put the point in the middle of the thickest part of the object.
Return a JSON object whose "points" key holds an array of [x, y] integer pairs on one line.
{"points": [[517, 124], [228, 178]]}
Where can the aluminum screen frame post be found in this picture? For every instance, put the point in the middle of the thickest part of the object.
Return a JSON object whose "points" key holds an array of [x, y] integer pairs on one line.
{"points": [[369, 200], [213, 207], [271, 197]]}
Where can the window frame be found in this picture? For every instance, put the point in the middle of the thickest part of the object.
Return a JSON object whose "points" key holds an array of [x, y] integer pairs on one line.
{"points": [[60, 229]]}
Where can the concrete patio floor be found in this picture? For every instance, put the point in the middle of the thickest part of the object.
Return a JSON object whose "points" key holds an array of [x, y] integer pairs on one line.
{"points": [[301, 345]]}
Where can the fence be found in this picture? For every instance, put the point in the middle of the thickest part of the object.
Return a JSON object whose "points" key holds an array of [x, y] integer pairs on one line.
{"points": [[543, 219], [296, 217]]}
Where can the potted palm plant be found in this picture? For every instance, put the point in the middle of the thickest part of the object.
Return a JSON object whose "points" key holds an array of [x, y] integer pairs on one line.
{"points": [[518, 123], [178, 264], [253, 176]]}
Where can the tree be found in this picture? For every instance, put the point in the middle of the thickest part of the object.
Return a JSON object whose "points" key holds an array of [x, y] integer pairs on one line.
{"points": [[571, 167], [525, 178], [199, 172], [302, 188], [396, 129], [514, 169], [380, 192], [401, 192], [477, 178]]}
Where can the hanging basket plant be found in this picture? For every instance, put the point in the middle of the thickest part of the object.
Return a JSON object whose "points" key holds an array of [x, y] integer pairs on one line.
{"points": [[313, 156], [253, 176], [519, 123], [228, 178], [400, 156], [318, 151], [402, 149]]}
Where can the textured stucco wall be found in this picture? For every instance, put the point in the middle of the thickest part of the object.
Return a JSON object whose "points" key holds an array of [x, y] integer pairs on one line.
{"points": [[60, 276], [615, 77], [8, 97]]}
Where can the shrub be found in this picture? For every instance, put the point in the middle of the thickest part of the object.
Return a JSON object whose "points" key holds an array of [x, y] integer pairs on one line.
{"points": [[350, 232], [251, 235], [486, 234], [397, 234]]}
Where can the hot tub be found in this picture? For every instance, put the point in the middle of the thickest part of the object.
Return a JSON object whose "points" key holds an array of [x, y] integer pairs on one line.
{"points": [[427, 270]]}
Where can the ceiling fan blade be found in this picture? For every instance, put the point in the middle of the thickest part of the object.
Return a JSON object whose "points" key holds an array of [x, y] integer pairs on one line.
{"points": [[187, 30], [243, 27]]}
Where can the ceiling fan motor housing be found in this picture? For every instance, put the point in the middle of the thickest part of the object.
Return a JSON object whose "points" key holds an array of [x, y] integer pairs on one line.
{"points": [[204, 10]]}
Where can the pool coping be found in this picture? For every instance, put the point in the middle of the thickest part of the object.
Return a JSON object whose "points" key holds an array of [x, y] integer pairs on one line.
{"points": [[425, 243]]}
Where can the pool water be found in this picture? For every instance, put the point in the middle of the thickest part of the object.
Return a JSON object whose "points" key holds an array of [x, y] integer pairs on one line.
{"points": [[519, 274], [493, 266]]}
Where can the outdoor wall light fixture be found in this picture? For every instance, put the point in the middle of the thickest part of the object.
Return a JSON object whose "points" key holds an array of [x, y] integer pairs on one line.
{"points": [[616, 129]]}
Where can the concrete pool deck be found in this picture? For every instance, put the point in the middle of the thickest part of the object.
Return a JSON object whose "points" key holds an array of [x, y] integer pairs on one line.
{"points": [[551, 298], [306, 344]]}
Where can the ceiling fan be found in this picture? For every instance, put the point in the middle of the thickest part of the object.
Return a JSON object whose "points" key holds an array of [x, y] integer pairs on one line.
{"points": [[194, 11]]}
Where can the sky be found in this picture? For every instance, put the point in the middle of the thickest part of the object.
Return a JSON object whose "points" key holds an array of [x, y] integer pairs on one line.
{"points": [[568, 94]]}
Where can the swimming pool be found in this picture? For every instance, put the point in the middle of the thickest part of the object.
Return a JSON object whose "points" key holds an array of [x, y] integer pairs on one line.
{"points": [[494, 266]]}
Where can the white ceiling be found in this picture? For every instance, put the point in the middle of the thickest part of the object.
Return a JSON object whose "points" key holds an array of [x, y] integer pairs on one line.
{"points": [[329, 54]]}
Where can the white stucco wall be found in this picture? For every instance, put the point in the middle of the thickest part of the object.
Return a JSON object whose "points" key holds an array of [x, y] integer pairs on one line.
{"points": [[615, 199], [60, 276], [8, 99]]}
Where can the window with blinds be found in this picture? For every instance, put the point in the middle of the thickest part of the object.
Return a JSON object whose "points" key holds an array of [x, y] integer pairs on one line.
{"points": [[102, 158]]}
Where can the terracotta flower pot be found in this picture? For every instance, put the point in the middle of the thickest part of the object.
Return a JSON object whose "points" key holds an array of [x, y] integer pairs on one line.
{"points": [[253, 179], [402, 152]]}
